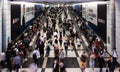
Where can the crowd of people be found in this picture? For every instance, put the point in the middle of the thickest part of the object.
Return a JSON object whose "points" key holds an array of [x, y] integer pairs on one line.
{"points": [[97, 49], [50, 35], [18, 50]]}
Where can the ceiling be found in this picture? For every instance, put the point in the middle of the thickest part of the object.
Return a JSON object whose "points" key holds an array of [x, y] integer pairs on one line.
{"points": [[58, 0]]}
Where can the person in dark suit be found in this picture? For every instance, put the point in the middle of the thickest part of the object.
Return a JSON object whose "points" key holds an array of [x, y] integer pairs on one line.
{"points": [[101, 62], [9, 59], [111, 65]]}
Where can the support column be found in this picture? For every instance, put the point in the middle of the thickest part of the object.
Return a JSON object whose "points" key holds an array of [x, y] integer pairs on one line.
{"points": [[0, 26], [6, 24], [111, 22], [117, 4]]}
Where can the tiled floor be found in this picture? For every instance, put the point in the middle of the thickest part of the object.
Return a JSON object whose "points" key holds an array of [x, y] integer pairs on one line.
{"points": [[67, 69]]}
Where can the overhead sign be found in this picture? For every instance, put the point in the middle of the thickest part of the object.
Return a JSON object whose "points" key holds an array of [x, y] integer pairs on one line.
{"points": [[89, 12], [92, 13]]}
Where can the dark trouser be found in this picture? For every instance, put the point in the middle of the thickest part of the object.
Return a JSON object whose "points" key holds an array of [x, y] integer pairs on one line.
{"points": [[35, 60], [9, 66], [60, 43], [66, 48], [90, 44], [115, 61], [111, 71], [62, 59], [17, 66], [82, 69], [63, 33], [42, 52], [2, 63], [100, 69], [60, 34], [47, 53]]}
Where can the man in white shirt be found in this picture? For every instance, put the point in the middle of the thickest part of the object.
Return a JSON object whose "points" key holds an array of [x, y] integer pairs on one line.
{"points": [[2, 58], [115, 56], [42, 39], [36, 55]]}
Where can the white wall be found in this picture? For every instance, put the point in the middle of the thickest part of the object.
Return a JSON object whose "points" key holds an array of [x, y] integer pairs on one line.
{"points": [[118, 27], [6, 23], [0, 26]]}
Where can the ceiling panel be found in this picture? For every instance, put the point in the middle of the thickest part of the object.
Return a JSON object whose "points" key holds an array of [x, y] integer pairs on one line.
{"points": [[58, 0]]}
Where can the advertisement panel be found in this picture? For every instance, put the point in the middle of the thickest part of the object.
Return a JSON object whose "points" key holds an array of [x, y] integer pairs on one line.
{"points": [[102, 24], [84, 10], [29, 11], [15, 20], [92, 13], [27, 14], [78, 9]]}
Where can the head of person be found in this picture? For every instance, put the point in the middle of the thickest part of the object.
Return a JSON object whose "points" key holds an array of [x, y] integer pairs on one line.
{"points": [[111, 58], [114, 48], [83, 52], [61, 49]]}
